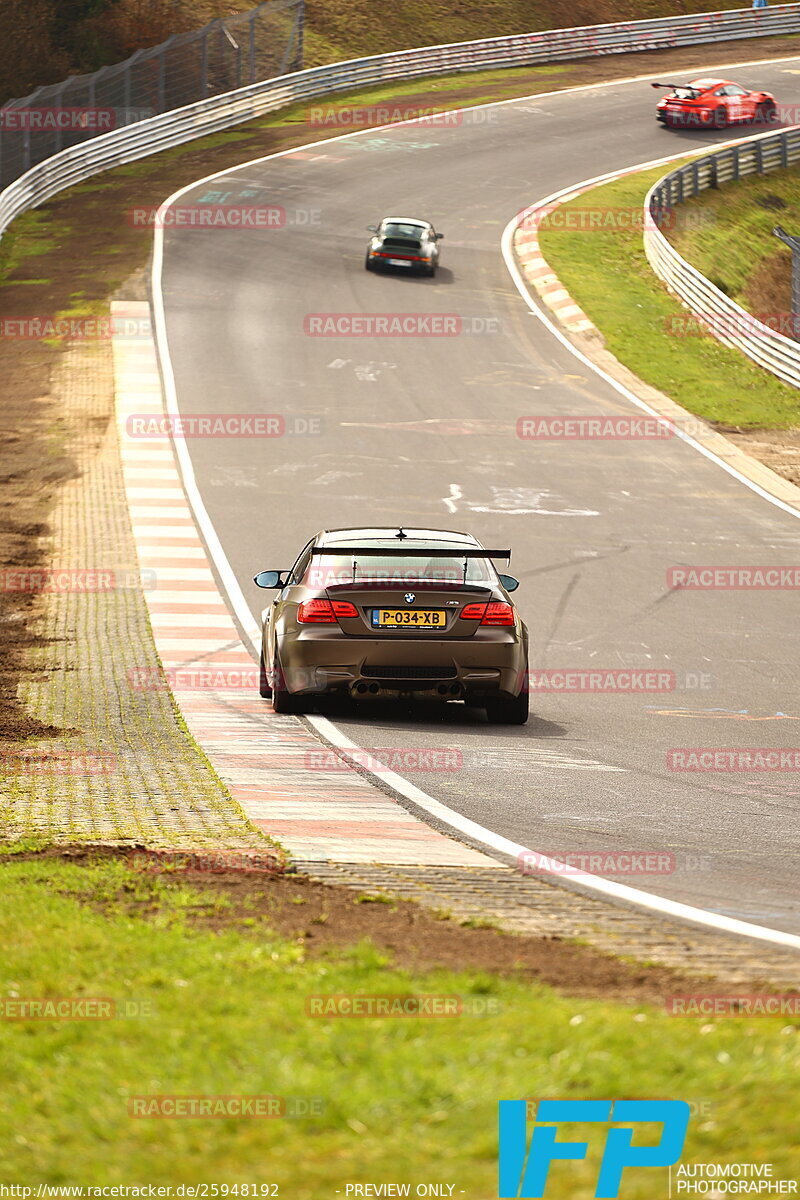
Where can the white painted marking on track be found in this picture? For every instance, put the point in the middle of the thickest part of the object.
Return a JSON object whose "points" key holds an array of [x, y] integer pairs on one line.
{"points": [[514, 502], [326, 728], [451, 502]]}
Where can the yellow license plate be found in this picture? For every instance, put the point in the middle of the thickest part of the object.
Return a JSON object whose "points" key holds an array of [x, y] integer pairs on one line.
{"points": [[409, 618]]}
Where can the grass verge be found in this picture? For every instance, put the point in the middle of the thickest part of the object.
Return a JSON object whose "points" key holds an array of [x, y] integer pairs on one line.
{"points": [[728, 236], [224, 1012], [609, 276]]}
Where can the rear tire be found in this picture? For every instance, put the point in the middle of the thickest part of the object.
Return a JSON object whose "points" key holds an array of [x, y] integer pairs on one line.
{"points": [[765, 113], [282, 701], [507, 710], [369, 265], [264, 689]]}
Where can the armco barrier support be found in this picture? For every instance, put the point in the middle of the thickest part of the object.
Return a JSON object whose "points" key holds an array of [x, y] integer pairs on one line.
{"points": [[146, 137], [708, 305]]}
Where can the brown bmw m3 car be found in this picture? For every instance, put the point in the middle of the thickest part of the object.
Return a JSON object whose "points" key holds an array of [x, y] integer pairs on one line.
{"points": [[395, 612]]}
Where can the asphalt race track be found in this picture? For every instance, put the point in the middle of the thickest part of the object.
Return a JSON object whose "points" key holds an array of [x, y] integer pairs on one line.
{"points": [[422, 431]]}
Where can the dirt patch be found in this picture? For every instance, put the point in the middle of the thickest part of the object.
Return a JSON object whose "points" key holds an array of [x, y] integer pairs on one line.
{"points": [[776, 448], [770, 283], [325, 918], [32, 464]]}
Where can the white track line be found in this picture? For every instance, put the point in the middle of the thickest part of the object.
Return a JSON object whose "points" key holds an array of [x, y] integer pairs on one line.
{"points": [[457, 822]]}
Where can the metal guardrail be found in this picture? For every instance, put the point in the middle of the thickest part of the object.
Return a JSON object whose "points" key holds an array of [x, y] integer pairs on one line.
{"points": [[77, 163], [710, 308]]}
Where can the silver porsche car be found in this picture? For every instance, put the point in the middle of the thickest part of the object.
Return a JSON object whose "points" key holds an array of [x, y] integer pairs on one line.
{"points": [[405, 244]]}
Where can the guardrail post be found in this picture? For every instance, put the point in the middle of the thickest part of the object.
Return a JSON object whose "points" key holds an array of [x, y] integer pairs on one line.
{"points": [[59, 99], [301, 29], [162, 73], [784, 149], [204, 65], [736, 174], [794, 245], [251, 69]]}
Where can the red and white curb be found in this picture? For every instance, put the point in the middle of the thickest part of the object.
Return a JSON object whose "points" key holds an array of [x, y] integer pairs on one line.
{"points": [[274, 766], [540, 274]]}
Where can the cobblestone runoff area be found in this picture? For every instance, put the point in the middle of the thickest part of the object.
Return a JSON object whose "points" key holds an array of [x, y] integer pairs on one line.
{"points": [[120, 769], [524, 905]]}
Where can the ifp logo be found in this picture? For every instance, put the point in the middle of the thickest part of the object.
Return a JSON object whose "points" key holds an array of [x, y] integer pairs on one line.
{"points": [[524, 1169]]}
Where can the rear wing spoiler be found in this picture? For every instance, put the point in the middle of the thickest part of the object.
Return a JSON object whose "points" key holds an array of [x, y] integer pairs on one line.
{"points": [[401, 552]]}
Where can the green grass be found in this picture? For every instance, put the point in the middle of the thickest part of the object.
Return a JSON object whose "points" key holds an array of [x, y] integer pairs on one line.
{"points": [[338, 29], [609, 277], [405, 1100], [32, 235], [728, 233]]}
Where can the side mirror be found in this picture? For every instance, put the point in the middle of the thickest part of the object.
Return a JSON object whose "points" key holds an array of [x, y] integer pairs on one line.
{"points": [[372, 229], [439, 237], [268, 579], [509, 582]]}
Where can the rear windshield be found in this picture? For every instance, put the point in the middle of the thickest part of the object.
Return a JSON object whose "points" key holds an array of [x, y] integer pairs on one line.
{"points": [[331, 570], [686, 93], [395, 229]]}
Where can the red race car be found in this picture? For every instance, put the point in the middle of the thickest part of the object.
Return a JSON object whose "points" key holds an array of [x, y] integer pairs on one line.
{"points": [[713, 104]]}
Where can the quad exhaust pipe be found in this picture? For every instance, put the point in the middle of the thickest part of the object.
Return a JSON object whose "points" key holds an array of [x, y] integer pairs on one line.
{"points": [[363, 689], [373, 689]]}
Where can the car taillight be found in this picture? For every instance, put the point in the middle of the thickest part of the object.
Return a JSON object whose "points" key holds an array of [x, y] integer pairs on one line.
{"points": [[496, 613], [473, 612], [324, 612], [404, 257], [499, 614]]}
